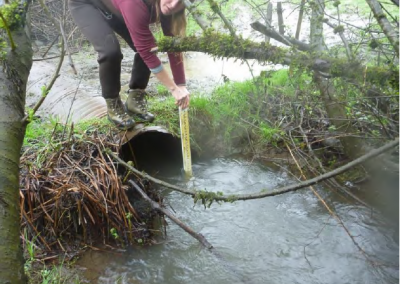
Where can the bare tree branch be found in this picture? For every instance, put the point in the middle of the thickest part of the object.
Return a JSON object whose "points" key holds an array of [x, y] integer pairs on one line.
{"points": [[299, 21], [391, 32], [196, 15], [279, 37], [265, 192], [340, 31]]}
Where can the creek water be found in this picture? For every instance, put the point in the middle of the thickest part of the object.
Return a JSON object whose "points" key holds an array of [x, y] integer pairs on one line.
{"points": [[289, 238]]}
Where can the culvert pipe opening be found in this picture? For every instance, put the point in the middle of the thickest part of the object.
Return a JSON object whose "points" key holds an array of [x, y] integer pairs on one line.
{"points": [[153, 150]]}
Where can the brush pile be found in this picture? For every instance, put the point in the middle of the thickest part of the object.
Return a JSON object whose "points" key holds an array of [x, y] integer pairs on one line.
{"points": [[72, 195]]}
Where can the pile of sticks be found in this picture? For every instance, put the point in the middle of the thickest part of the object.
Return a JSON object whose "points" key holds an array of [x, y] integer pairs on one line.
{"points": [[72, 195]]}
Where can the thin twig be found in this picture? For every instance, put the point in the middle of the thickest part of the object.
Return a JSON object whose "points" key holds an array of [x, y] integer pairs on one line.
{"points": [[340, 30], [46, 90], [196, 15], [50, 46], [217, 10], [71, 62]]}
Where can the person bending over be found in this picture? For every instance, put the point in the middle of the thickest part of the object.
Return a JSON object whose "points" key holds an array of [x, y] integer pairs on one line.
{"points": [[101, 20]]}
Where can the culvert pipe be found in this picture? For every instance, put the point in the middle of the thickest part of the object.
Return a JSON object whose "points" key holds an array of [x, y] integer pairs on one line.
{"points": [[152, 149]]}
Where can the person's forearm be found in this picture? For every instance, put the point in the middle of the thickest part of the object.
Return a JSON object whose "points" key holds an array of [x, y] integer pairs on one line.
{"points": [[166, 80], [180, 94]]}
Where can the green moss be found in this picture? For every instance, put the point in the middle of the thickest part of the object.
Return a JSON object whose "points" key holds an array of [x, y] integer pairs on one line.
{"points": [[10, 19], [11, 14], [382, 76], [338, 29], [207, 198], [221, 45]]}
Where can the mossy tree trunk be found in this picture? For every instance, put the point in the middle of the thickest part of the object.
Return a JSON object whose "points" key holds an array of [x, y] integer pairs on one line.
{"points": [[14, 71]]}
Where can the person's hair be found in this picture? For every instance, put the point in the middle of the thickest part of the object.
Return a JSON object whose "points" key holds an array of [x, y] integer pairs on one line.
{"points": [[178, 22]]}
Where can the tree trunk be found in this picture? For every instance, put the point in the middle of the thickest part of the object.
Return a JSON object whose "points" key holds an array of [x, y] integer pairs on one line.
{"points": [[14, 71]]}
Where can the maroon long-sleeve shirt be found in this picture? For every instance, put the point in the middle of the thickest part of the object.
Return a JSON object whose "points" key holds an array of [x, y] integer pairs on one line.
{"points": [[138, 16]]}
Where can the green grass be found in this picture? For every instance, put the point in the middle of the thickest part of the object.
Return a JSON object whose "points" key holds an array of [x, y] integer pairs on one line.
{"points": [[39, 273], [39, 133], [234, 105], [166, 113]]}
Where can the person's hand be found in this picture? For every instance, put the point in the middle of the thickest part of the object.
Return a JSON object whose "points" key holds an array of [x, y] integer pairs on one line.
{"points": [[182, 96]]}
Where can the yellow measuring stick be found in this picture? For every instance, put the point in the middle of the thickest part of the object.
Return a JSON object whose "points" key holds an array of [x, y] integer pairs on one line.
{"points": [[185, 141]]}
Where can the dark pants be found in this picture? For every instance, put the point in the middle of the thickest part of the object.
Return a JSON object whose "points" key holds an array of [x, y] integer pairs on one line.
{"points": [[99, 27]]}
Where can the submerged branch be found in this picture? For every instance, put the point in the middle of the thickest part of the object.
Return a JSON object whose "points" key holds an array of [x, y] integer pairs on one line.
{"points": [[166, 212], [265, 192]]}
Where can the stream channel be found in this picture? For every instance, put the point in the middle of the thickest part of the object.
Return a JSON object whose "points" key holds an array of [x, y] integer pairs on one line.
{"points": [[289, 238]]}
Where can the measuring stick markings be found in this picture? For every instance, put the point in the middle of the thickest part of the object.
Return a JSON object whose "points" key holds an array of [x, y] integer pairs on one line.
{"points": [[185, 140]]}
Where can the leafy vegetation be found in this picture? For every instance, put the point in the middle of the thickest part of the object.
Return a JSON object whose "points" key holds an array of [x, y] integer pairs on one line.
{"points": [[40, 273]]}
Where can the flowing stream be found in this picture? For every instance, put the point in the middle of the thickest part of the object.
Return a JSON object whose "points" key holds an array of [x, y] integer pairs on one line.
{"points": [[289, 238]]}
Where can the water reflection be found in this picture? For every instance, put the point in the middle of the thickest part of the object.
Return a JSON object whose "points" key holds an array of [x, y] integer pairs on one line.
{"points": [[283, 239]]}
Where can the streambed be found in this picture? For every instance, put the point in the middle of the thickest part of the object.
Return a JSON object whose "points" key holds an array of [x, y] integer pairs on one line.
{"points": [[284, 239]]}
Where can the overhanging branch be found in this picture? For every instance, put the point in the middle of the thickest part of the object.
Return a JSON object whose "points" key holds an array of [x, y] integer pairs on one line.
{"points": [[222, 45]]}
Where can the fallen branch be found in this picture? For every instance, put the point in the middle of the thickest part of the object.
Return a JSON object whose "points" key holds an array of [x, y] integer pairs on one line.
{"points": [[220, 45], [191, 232], [166, 212], [279, 191]]}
